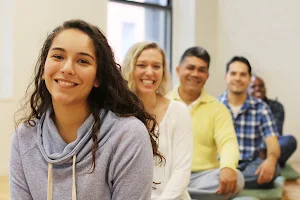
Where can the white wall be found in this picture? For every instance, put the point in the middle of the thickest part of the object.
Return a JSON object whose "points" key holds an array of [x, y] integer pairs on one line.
{"points": [[206, 37], [183, 28], [6, 39], [33, 19]]}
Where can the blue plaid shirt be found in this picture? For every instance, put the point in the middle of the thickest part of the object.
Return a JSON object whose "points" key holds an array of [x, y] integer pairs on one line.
{"points": [[253, 123]]}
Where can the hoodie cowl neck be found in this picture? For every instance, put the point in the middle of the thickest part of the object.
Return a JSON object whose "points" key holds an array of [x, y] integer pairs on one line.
{"points": [[55, 150]]}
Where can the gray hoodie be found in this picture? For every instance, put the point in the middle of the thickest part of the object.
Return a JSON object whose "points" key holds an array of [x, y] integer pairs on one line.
{"points": [[43, 166]]}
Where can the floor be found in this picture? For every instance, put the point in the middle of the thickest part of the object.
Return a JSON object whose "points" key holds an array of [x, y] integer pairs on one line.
{"points": [[291, 188], [4, 194]]}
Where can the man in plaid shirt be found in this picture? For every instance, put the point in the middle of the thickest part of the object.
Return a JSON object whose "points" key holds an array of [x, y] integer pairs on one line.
{"points": [[253, 123]]}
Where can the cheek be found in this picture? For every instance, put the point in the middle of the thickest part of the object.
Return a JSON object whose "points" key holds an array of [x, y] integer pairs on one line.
{"points": [[137, 73], [227, 80], [247, 81], [87, 75], [184, 74], [159, 77], [50, 68], [204, 76], [160, 73]]}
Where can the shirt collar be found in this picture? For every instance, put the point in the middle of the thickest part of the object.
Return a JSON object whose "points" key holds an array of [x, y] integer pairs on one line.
{"points": [[249, 103], [203, 98]]}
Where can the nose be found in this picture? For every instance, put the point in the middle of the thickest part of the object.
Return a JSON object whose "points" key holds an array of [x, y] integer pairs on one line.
{"points": [[195, 73], [149, 70], [238, 77], [68, 68], [256, 88]]}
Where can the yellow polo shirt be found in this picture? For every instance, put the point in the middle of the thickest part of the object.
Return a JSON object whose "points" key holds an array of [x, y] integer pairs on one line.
{"points": [[214, 134]]}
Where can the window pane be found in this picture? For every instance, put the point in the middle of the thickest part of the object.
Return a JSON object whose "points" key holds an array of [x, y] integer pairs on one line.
{"points": [[156, 2], [128, 24]]}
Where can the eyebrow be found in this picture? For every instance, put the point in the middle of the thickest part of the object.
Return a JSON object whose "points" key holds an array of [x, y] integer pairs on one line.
{"points": [[143, 61], [80, 53], [201, 67]]}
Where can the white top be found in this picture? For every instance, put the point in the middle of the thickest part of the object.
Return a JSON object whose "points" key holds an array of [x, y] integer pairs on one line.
{"points": [[176, 145], [235, 109]]}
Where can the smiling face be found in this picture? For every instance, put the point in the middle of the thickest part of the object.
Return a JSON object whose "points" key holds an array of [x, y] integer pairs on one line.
{"points": [[193, 74], [70, 68], [148, 72], [238, 78], [257, 88]]}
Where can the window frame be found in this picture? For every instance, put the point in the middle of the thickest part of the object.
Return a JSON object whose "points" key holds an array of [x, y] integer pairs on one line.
{"points": [[168, 29]]}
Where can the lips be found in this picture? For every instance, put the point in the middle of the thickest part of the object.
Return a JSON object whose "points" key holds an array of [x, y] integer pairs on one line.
{"points": [[238, 85], [258, 94], [194, 81], [65, 83], [148, 82]]}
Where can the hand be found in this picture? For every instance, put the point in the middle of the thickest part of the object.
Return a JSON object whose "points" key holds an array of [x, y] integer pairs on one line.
{"points": [[228, 181], [266, 171]]}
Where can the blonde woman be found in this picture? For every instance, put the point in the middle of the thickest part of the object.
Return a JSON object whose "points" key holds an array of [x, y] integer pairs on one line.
{"points": [[145, 69]]}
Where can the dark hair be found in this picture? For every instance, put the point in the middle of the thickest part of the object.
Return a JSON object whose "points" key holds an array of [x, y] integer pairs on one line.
{"points": [[198, 52], [239, 59], [112, 94]]}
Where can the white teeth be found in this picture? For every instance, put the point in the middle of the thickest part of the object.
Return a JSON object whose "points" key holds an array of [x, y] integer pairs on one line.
{"points": [[66, 83], [147, 81]]}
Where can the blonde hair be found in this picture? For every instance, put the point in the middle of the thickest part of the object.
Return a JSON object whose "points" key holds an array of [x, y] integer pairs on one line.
{"points": [[129, 65]]}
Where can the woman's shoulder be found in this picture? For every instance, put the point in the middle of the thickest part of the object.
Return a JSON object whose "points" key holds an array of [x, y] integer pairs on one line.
{"points": [[129, 125], [129, 131], [27, 128], [178, 107], [25, 136], [177, 112]]}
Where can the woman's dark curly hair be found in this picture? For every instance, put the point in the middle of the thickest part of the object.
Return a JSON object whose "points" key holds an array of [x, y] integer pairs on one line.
{"points": [[112, 94]]}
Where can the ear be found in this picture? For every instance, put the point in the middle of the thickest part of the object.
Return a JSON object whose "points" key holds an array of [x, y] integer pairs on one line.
{"points": [[96, 84], [43, 75], [177, 70]]}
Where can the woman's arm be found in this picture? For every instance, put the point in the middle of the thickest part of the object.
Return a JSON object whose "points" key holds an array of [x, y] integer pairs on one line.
{"points": [[132, 162], [182, 155], [17, 180]]}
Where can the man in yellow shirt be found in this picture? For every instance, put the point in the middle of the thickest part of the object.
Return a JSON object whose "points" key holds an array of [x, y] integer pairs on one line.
{"points": [[216, 154]]}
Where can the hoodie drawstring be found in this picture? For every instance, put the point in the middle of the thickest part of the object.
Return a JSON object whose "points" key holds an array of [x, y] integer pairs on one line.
{"points": [[50, 180], [49, 192], [74, 180]]}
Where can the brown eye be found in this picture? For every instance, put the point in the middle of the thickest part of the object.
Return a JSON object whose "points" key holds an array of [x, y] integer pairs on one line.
{"points": [[82, 61], [140, 65], [58, 57]]}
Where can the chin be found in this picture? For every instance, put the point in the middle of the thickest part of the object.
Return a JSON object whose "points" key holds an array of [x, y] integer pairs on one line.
{"points": [[238, 92], [62, 99], [193, 91], [146, 90]]}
